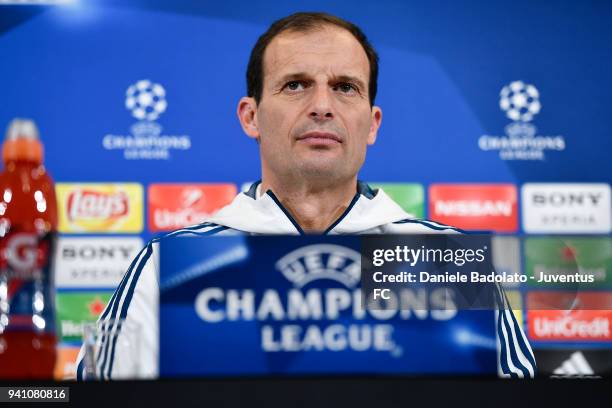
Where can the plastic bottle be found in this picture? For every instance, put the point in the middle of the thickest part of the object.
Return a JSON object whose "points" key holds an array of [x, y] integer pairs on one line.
{"points": [[28, 225]]}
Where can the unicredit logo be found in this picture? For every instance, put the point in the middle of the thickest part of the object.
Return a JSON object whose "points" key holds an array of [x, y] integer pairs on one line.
{"points": [[173, 206], [569, 327], [491, 207], [84, 204], [191, 200], [166, 219]]}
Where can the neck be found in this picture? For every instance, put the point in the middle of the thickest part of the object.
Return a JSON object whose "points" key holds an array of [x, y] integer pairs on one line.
{"points": [[314, 206]]}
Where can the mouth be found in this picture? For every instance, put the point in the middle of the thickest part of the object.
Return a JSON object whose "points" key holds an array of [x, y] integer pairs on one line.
{"points": [[320, 138]]}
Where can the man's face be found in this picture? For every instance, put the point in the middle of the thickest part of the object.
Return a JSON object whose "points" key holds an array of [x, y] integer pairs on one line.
{"points": [[314, 119]]}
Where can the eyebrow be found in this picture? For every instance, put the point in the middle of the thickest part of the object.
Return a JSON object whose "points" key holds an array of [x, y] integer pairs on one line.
{"points": [[290, 77], [339, 78]]}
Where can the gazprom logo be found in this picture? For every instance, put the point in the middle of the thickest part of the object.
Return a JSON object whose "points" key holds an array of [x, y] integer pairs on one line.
{"points": [[321, 261]]}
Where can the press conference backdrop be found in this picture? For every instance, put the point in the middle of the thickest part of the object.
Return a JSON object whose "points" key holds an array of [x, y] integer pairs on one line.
{"points": [[496, 116]]}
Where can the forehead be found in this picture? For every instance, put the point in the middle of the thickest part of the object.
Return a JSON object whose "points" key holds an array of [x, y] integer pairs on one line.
{"points": [[327, 49]]}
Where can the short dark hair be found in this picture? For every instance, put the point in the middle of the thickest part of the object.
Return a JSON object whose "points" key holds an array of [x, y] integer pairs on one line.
{"points": [[304, 22]]}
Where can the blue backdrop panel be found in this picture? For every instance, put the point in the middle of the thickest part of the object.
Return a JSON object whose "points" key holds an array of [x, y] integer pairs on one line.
{"points": [[222, 341], [443, 65]]}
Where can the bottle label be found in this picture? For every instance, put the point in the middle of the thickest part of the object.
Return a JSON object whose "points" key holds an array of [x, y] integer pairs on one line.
{"points": [[27, 300]]}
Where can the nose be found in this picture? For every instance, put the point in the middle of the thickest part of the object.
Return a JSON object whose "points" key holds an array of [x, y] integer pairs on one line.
{"points": [[321, 108]]}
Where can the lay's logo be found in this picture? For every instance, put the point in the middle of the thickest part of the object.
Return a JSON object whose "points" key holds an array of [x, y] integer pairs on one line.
{"points": [[100, 208], [86, 204]]}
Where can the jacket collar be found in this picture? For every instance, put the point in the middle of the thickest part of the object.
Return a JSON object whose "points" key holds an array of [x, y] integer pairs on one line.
{"points": [[266, 215]]}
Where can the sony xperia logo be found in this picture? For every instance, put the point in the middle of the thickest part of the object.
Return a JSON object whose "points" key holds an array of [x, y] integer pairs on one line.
{"points": [[566, 207], [567, 199]]}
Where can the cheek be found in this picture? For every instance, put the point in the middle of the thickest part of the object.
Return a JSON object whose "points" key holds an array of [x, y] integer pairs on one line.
{"points": [[359, 128], [273, 123]]}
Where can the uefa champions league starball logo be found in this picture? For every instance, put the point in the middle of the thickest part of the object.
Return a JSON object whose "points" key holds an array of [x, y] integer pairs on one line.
{"points": [[520, 101], [146, 100]]}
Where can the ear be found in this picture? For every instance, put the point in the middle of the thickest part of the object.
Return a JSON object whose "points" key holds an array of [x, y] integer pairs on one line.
{"points": [[375, 122], [247, 115]]}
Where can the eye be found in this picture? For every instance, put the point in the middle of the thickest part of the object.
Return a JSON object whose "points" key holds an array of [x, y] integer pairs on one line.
{"points": [[294, 85], [345, 87]]}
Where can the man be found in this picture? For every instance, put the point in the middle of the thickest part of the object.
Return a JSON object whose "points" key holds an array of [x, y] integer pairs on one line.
{"points": [[311, 83]]}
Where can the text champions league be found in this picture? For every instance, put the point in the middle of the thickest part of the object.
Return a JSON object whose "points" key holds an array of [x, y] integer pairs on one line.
{"points": [[347, 317]]}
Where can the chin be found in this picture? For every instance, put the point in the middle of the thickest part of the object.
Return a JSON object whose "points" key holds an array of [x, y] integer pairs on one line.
{"points": [[322, 170]]}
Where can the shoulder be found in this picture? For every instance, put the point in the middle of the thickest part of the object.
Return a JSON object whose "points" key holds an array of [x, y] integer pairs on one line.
{"points": [[421, 226], [150, 251], [203, 229]]}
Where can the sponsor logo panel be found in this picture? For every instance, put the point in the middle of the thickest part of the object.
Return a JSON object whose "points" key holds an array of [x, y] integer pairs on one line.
{"points": [[410, 196], [93, 262], [566, 208], [570, 316], [76, 308], [475, 206], [65, 365], [574, 363], [569, 261], [100, 207], [560, 325], [173, 206]]}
